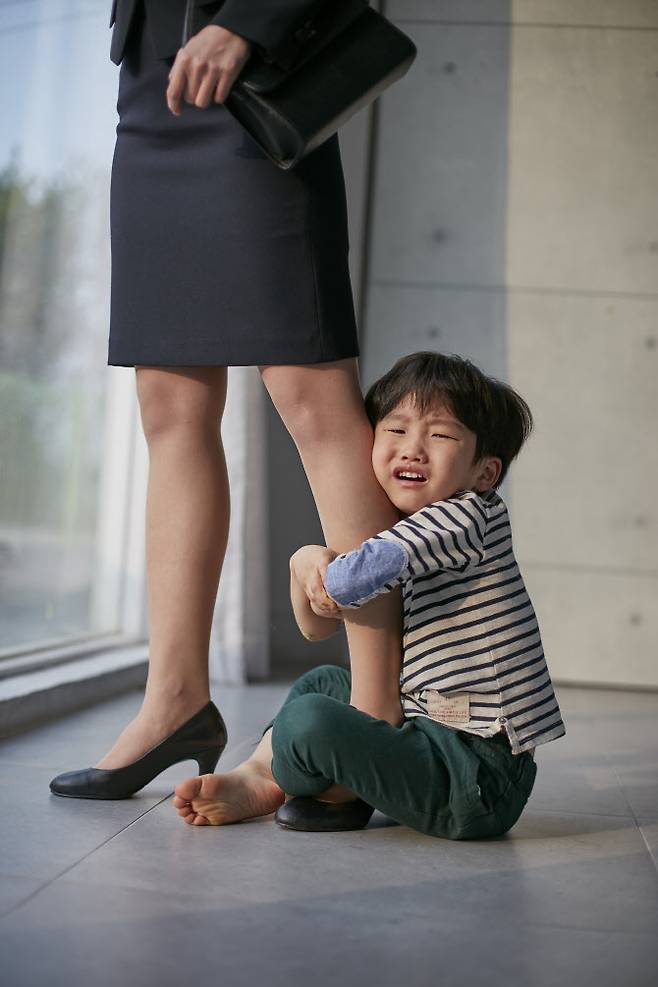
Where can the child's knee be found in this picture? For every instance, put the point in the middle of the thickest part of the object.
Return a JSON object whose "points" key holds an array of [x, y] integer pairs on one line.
{"points": [[303, 738], [323, 679], [309, 719]]}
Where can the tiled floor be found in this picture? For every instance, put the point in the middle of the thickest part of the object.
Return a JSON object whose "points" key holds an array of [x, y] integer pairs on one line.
{"points": [[125, 893]]}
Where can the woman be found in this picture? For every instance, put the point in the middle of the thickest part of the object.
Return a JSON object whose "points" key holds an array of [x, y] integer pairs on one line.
{"points": [[219, 259]]}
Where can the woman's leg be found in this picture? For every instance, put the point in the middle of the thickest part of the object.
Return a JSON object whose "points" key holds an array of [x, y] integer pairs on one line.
{"points": [[187, 520], [322, 408]]}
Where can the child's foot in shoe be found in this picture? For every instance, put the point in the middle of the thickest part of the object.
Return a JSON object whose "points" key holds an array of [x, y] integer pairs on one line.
{"points": [[214, 800]]}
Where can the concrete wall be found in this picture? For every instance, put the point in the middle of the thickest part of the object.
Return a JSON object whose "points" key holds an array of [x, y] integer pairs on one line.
{"points": [[514, 220]]}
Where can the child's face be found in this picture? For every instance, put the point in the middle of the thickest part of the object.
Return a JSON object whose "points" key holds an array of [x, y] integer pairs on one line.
{"points": [[437, 447]]}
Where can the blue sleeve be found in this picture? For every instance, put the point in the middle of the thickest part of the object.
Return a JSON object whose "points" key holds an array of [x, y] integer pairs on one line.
{"points": [[354, 578], [446, 535]]}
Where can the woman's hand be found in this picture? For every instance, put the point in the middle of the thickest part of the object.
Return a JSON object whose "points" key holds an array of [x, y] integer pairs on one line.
{"points": [[206, 68], [309, 566]]}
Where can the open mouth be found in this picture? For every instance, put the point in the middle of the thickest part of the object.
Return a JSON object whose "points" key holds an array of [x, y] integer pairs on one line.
{"points": [[409, 476]]}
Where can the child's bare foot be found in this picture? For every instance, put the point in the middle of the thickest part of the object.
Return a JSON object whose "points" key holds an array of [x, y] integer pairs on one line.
{"points": [[213, 799]]}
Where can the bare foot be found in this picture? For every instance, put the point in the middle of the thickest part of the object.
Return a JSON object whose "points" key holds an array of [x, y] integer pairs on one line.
{"points": [[247, 791]]}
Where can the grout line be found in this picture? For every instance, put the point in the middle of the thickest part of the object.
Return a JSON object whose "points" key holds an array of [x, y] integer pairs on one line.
{"points": [[621, 788], [644, 690], [653, 859], [636, 820], [606, 570], [56, 877], [509, 289], [447, 22], [13, 908]]}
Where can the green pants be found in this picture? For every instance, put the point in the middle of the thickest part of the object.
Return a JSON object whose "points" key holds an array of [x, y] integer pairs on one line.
{"points": [[440, 781]]}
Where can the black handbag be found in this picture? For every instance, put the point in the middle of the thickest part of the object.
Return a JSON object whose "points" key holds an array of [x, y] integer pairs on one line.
{"points": [[293, 98]]}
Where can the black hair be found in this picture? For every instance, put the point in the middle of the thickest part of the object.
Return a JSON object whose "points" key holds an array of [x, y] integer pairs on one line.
{"points": [[498, 416]]}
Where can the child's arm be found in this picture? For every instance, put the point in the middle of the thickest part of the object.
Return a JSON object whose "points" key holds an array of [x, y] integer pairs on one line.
{"points": [[448, 535], [317, 615]]}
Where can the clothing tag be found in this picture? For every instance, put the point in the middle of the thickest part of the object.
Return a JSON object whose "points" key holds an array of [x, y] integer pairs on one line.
{"points": [[450, 709]]}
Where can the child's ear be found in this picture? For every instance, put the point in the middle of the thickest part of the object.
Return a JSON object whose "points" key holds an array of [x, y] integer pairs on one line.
{"points": [[489, 472]]}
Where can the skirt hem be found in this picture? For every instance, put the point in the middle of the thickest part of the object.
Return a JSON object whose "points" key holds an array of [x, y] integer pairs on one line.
{"points": [[276, 361]]}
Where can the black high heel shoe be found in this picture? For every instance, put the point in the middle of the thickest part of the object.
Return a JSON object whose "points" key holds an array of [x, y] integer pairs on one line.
{"points": [[313, 816], [202, 738]]}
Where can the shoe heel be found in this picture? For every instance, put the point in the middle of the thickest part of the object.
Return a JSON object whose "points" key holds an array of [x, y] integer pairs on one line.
{"points": [[207, 760]]}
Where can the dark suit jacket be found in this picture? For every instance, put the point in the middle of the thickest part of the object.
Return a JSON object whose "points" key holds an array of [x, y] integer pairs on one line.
{"points": [[266, 23]]}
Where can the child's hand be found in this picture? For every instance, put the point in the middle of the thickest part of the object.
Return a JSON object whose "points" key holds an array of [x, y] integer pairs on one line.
{"points": [[309, 565]]}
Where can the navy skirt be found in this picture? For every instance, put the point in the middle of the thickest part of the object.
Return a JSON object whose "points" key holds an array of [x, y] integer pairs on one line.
{"points": [[219, 258]]}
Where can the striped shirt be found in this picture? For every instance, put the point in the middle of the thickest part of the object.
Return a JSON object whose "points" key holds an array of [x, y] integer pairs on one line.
{"points": [[472, 652]]}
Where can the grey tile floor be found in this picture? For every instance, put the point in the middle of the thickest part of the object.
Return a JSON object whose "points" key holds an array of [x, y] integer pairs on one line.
{"points": [[125, 893]]}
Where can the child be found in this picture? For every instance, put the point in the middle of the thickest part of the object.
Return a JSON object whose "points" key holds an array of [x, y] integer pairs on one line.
{"points": [[475, 689], [473, 663]]}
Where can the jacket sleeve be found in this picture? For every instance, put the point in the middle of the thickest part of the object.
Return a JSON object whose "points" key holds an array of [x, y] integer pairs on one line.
{"points": [[442, 536], [265, 22]]}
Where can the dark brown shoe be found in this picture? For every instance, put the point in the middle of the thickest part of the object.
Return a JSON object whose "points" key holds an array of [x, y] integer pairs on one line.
{"points": [[313, 816]]}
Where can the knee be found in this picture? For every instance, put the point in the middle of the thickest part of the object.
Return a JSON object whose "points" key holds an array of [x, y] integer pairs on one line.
{"points": [[309, 720], [311, 421], [321, 678], [190, 398], [304, 418]]}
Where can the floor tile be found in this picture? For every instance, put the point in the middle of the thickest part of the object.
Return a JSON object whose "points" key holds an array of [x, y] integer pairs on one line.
{"points": [[598, 867], [123, 891], [637, 775], [15, 889], [579, 784], [45, 834], [114, 936]]}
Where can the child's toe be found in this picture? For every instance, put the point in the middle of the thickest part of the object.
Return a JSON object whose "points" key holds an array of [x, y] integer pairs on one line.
{"points": [[188, 789]]}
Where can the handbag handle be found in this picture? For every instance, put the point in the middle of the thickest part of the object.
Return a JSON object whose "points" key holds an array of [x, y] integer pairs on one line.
{"points": [[187, 23]]}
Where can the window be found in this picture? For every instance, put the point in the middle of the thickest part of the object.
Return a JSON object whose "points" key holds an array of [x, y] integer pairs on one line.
{"points": [[72, 455]]}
